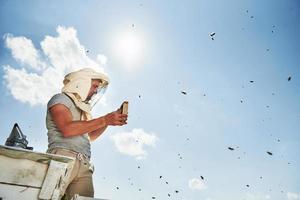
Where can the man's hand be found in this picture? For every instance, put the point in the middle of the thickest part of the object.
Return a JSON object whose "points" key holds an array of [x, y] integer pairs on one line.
{"points": [[116, 118], [113, 119]]}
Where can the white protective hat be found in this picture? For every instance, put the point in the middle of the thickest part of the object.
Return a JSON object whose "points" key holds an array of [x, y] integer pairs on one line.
{"points": [[77, 85], [79, 82]]}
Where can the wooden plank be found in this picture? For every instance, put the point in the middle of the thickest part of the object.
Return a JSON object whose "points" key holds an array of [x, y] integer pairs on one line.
{"points": [[31, 155], [14, 192], [77, 197], [52, 188], [22, 171]]}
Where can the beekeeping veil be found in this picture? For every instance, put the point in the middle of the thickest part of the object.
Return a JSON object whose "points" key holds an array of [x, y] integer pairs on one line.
{"points": [[77, 86]]}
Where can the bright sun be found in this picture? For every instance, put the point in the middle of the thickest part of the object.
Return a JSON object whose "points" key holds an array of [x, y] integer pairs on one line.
{"points": [[129, 48]]}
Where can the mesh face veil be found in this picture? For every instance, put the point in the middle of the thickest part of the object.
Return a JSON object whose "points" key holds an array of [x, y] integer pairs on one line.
{"points": [[100, 91]]}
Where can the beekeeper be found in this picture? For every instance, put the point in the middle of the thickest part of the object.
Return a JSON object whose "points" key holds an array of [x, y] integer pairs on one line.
{"points": [[71, 127]]}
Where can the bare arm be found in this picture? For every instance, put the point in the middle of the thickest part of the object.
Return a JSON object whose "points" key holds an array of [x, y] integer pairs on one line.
{"points": [[96, 133], [62, 117]]}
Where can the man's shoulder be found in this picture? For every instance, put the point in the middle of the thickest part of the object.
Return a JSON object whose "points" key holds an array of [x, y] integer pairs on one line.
{"points": [[60, 98]]}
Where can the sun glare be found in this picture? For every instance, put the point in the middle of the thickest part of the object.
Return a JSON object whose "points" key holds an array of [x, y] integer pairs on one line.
{"points": [[129, 48]]}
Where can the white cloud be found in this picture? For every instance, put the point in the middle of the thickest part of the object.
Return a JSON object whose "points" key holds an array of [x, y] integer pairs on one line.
{"points": [[42, 78], [23, 50], [292, 196], [31, 87], [197, 184], [133, 143], [65, 51]]}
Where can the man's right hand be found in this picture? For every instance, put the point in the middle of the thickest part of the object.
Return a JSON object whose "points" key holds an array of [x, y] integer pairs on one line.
{"points": [[115, 119]]}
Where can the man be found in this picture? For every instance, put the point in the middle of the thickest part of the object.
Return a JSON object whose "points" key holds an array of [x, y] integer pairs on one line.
{"points": [[71, 128]]}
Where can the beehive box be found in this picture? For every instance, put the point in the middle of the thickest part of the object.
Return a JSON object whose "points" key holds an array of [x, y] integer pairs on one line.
{"points": [[32, 175]]}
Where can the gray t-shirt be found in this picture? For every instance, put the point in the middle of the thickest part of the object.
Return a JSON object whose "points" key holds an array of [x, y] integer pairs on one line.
{"points": [[80, 143]]}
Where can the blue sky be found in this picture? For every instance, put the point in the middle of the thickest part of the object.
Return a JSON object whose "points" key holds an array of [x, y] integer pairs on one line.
{"points": [[152, 51]]}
